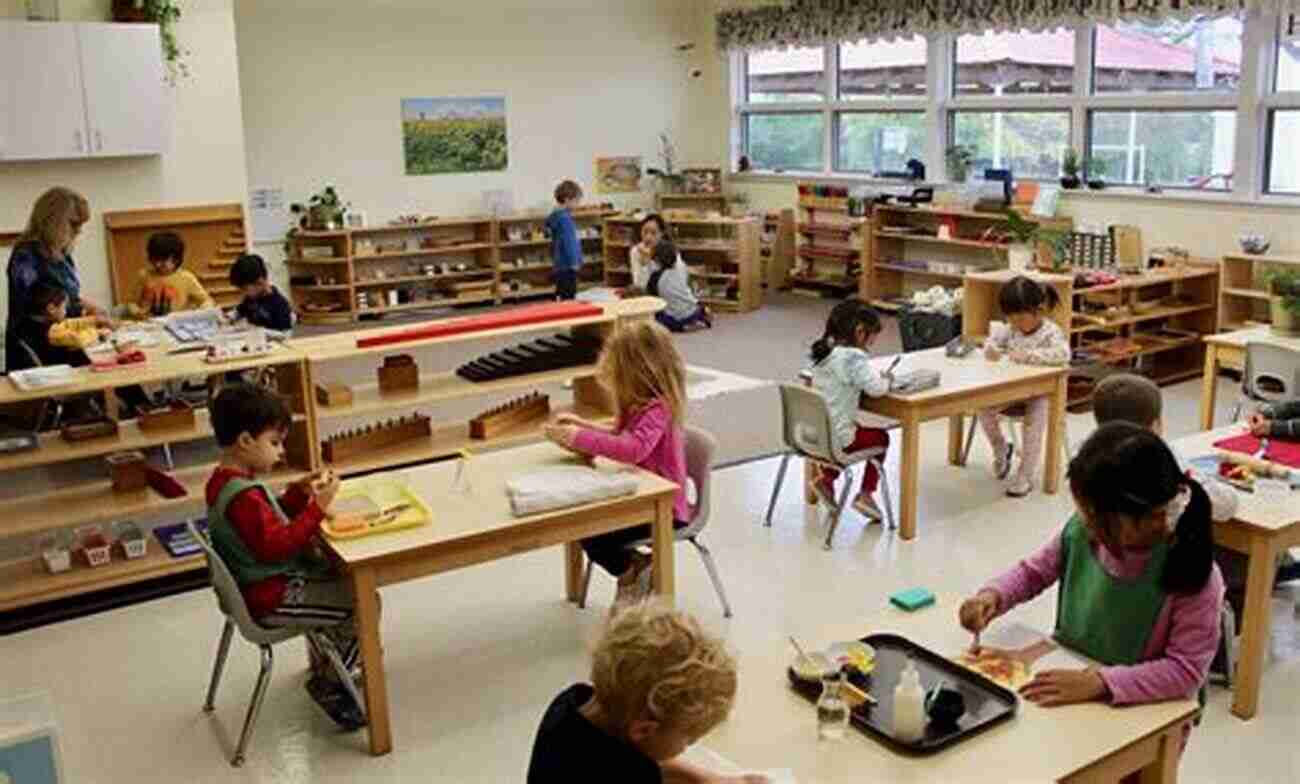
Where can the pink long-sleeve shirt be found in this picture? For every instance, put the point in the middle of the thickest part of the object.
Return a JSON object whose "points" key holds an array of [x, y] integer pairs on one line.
{"points": [[646, 438], [1182, 644]]}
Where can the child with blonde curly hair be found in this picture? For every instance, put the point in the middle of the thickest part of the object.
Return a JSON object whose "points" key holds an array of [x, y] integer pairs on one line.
{"points": [[659, 683]]}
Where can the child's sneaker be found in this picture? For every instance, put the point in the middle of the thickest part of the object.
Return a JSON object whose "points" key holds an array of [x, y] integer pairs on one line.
{"points": [[336, 702], [1002, 463], [1019, 487], [866, 506]]}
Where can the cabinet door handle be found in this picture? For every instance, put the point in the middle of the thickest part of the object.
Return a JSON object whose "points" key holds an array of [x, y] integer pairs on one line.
{"points": [[99, 141], [80, 147]]}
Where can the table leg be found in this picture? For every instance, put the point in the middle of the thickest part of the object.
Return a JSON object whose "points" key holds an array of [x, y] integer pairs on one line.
{"points": [[1055, 436], [956, 438], [1164, 768], [1209, 386], [662, 576], [909, 467], [372, 660], [573, 564], [1257, 620]]}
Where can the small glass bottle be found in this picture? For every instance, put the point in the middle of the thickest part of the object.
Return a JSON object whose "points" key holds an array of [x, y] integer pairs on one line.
{"points": [[832, 710]]}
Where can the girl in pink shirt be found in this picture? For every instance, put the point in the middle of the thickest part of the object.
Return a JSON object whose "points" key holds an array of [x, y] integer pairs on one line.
{"points": [[643, 372], [1139, 590]]}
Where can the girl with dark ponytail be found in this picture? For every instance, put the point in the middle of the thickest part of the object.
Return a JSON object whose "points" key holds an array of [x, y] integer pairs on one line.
{"points": [[842, 373], [1139, 590]]}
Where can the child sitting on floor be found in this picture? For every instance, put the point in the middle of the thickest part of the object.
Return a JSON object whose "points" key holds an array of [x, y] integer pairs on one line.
{"points": [[1139, 591], [267, 543], [644, 374], [1276, 420], [670, 280], [54, 338], [658, 684], [165, 287], [263, 305], [842, 372], [1030, 339]]}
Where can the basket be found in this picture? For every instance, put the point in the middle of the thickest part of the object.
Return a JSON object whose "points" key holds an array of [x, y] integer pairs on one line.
{"points": [[921, 329]]}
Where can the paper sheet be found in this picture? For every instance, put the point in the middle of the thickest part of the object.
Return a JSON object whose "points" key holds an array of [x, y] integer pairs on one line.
{"points": [[713, 761], [1010, 654], [269, 214]]}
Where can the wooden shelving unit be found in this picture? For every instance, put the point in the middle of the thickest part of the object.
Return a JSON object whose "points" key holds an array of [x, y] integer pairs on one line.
{"points": [[831, 244], [776, 248], [524, 253], [906, 253], [1244, 297], [722, 253], [1151, 323], [700, 202], [89, 498]]}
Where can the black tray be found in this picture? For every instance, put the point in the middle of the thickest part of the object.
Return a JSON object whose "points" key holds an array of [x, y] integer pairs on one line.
{"points": [[987, 703]]}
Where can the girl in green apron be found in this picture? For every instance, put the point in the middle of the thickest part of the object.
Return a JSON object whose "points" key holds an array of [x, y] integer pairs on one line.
{"points": [[1139, 590]]}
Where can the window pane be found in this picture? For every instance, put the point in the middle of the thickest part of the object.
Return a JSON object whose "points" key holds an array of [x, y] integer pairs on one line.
{"points": [[1030, 144], [1288, 55], [1015, 63], [786, 75], [785, 142], [884, 69], [1180, 149], [880, 142], [1284, 153], [1172, 56]]}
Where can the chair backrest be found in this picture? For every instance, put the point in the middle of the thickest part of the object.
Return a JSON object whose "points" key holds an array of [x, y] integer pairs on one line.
{"points": [[229, 598], [806, 423], [700, 448], [1271, 372]]}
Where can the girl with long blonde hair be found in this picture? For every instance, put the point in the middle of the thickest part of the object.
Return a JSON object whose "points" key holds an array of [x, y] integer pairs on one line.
{"points": [[646, 379]]}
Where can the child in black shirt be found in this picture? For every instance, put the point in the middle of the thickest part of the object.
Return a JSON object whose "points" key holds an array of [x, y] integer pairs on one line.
{"points": [[659, 683], [47, 310], [263, 304]]}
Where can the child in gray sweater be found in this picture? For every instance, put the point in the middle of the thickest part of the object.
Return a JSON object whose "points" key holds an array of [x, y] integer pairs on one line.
{"points": [[670, 281]]}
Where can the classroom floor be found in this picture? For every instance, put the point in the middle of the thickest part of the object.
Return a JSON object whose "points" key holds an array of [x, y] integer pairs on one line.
{"points": [[473, 657]]}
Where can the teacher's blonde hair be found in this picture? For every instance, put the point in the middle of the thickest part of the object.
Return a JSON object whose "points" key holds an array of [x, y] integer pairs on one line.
{"points": [[55, 212]]}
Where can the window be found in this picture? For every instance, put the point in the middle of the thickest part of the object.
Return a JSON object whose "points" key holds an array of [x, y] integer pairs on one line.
{"points": [[884, 69], [1180, 149], [786, 142], [1284, 152], [786, 75], [879, 143], [1021, 63], [1030, 144], [1288, 56], [1200, 55]]}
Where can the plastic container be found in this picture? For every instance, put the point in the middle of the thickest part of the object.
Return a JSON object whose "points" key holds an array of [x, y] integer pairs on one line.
{"points": [[95, 547], [133, 541], [909, 705], [56, 552]]}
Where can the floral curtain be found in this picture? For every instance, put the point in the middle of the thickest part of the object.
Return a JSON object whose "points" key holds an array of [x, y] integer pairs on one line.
{"points": [[769, 24]]}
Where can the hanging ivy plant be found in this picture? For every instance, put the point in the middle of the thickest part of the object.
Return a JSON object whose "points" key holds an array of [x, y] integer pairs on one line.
{"points": [[166, 13]]}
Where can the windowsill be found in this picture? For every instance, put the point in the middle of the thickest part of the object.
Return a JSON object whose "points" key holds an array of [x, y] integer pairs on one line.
{"points": [[1116, 193]]}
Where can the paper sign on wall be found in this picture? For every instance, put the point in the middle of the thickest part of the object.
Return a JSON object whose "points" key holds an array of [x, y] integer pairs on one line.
{"points": [[269, 214]]}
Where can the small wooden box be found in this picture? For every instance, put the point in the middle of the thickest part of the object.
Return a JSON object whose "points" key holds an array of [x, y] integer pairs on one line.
{"points": [[85, 431], [333, 395], [173, 417], [127, 471], [399, 373], [518, 412]]}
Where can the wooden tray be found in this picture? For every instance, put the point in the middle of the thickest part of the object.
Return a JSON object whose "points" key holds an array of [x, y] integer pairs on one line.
{"points": [[987, 703], [378, 495]]}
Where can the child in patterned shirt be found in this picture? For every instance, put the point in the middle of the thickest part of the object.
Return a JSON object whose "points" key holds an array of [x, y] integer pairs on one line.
{"points": [[1030, 339]]}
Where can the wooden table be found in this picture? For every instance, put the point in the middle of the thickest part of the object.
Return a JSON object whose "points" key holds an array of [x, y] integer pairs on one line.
{"points": [[1228, 350], [478, 527], [772, 727], [966, 386], [1261, 534]]}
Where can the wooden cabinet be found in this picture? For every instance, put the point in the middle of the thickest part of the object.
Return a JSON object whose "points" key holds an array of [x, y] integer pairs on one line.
{"points": [[80, 90]]}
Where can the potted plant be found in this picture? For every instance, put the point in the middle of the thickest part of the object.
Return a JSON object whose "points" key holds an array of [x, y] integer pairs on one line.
{"points": [[324, 211], [1053, 245], [670, 180], [1070, 169], [1284, 302], [1020, 250], [166, 13], [1094, 171], [958, 159]]}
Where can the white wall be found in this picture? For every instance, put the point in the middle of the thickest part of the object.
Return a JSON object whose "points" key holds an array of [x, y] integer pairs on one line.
{"points": [[1206, 229], [323, 83], [204, 163]]}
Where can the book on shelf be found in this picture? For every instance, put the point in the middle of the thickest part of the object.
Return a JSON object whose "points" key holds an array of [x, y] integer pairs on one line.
{"points": [[176, 538]]}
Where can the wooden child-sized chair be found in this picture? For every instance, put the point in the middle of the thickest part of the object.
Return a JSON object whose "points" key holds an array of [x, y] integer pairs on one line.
{"points": [[700, 448], [807, 431], [231, 602]]}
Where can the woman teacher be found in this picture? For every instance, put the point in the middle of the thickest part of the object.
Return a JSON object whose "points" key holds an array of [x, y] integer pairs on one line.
{"points": [[41, 255]]}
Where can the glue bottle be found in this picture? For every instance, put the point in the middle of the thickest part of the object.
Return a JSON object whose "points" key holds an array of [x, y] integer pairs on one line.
{"points": [[909, 705]]}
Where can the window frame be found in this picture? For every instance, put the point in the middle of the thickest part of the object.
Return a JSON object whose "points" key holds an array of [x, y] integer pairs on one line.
{"points": [[1254, 102], [838, 118]]}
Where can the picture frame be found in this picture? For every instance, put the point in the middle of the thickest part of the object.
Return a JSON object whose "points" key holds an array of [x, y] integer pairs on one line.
{"points": [[702, 180]]}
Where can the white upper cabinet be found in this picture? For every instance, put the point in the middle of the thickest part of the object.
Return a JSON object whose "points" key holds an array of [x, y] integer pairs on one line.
{"points": [[79, 90]]}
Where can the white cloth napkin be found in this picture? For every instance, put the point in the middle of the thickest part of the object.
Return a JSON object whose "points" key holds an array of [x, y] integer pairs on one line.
{"points": [[565, 486]]}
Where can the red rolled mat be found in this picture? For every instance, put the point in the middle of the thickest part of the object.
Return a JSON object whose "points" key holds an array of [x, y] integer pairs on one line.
{"points": [[530, 314], [1285, 452]]}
